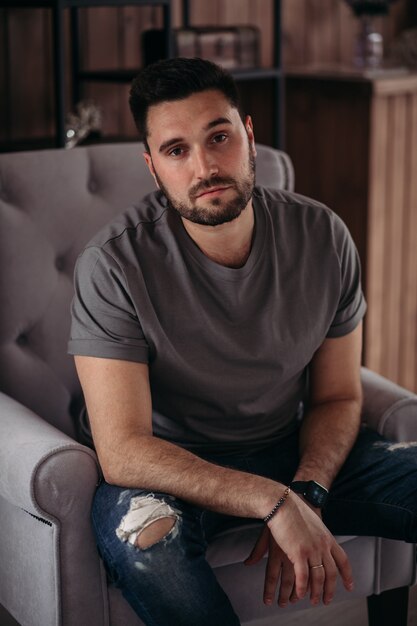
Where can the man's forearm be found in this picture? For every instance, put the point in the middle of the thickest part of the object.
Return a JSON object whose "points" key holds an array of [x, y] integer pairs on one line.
{"points": [[157, 465], [327, 435]]}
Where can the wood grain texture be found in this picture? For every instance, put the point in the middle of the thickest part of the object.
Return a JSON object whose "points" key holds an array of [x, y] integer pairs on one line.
{"points": [[323, 118], [261, 15], [133, 24], [323, 30], [4, 78], [103, 25], [408, 339], [354, 147], [374, 270], [393, 242], [29, 73], [313, 30], [203, 12], [294, 32], [233, 12], [348, 28]]}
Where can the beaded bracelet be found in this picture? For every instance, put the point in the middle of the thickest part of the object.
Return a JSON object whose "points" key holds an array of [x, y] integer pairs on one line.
{"points": [[278, 505]]}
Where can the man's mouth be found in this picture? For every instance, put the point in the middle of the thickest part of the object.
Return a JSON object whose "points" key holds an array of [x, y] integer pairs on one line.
{"points": [[211, 191]]}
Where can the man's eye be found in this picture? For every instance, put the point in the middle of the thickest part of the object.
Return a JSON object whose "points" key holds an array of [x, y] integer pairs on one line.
{"points": [[175, 152], [219, 138]]}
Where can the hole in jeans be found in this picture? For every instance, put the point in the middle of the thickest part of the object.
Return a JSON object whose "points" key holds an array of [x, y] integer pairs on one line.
{"points": [[147, 521]]}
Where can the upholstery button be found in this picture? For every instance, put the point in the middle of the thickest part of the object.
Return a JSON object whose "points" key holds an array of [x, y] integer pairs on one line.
{"points": [[92, 186], [22, 340], [60, 263], [3, 195]]}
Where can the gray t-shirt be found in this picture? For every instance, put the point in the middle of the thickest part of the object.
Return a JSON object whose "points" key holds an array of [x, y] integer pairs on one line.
{"points": [[228, 349]]}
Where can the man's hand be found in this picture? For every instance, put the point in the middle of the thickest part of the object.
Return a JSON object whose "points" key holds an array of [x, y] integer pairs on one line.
{"points": [[278, 568], [297, 540]]}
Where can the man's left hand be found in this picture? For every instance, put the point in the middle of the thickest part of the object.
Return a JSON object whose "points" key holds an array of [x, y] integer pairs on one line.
{"points": [[278, 568]]}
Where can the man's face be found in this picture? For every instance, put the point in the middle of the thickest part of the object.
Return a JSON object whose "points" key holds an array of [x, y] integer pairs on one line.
{"points": [[202, 157]]}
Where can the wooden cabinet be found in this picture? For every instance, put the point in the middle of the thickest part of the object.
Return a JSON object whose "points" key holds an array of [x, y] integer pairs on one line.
{"points": [[353, 140]]}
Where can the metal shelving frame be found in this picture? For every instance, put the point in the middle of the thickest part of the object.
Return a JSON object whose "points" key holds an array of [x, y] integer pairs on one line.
{"points": [[122, 76], [58, 43]]}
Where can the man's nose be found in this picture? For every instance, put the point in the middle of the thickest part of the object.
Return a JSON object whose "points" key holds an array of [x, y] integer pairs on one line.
{"points": [[205, 165]]}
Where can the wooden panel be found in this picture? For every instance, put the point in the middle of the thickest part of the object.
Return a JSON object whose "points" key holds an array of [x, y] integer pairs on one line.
{"points": [[294, 32], [348, 28], [176, 13], [327, 138], [323, 32], [4, 68], [261, 15], [314, 30], [408, 342], [100, 45], [233, 12], [101, 48], [134, 22], [203, 13], [396, 22], [29, 80], [393, 235], [262, 116], [354, 147], [376, 234]]}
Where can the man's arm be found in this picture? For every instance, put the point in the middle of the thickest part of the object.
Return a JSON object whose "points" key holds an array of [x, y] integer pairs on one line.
{"points": [[118, 399], [331, 425], [328, 432]]}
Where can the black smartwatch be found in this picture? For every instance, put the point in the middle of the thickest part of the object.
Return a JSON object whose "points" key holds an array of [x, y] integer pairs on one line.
{"points": [[313, 492]]}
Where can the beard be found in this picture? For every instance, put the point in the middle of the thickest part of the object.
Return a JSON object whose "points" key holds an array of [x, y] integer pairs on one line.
{"points": [[216, 211]]}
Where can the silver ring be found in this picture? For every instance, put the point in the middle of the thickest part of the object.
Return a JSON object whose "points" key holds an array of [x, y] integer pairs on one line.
{"points": [[316, 566]]}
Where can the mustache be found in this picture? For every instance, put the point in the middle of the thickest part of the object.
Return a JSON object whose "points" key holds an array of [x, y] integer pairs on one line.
{"points": [[204, 185]]}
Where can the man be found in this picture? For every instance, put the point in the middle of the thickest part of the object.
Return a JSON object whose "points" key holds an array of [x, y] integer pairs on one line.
{"points": [[206, 321]]}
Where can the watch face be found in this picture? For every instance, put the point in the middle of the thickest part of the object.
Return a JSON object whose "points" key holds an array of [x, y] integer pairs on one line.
{"points": [[312, 491], [316, 494]]}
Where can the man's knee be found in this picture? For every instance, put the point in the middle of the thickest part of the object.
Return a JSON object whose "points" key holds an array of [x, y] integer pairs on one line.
{"points": [[148, 521], [155, 532]]}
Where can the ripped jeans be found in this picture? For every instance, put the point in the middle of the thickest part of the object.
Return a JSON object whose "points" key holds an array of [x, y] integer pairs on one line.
{"points": [[170, 582]]}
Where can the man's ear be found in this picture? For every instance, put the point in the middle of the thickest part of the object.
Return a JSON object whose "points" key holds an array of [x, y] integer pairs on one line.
{"points": [[250, 133], [149, 163]]}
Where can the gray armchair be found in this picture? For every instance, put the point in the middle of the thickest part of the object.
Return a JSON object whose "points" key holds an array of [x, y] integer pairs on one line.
{"points": [[51, 203]]}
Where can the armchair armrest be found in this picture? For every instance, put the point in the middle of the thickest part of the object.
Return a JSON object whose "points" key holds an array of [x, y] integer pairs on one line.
{"points": [[39, 465], [53, 479], [388, 408]]}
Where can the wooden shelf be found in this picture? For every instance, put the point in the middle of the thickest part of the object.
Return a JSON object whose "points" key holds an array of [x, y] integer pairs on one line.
{"points": [[58, 43], [79, 4], [80, 76], [126, 76]]}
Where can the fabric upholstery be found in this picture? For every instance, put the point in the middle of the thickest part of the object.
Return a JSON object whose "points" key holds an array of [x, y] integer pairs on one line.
{"points": [[51, 203]]}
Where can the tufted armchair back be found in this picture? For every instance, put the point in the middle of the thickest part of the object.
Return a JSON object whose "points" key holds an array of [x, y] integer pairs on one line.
{"points": [[51, 204]]}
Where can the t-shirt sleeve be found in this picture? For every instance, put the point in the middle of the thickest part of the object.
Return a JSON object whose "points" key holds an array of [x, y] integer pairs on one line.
{"points": [[104, 322], [352, 305]]}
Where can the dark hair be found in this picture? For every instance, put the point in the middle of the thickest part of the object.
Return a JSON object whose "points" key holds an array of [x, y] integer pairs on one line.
{"points": [[176, 79]]}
